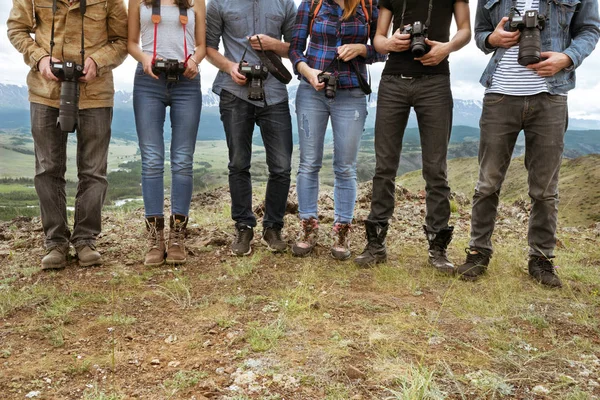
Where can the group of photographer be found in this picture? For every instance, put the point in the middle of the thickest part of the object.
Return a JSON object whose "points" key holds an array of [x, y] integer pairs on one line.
{"points": [[536, 46]]}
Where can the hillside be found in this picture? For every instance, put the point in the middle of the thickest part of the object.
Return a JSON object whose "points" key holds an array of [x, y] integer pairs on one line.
{"points": [[277, 327], [578, 186]]}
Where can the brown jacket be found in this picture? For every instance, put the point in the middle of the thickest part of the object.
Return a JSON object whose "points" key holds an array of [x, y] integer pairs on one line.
{"points": [[105, 25]]}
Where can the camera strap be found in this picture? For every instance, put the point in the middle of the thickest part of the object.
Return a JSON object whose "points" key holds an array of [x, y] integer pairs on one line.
{"points": [[82, 9], [271, 61], [427, 23], [183, 19], [362, 83]]}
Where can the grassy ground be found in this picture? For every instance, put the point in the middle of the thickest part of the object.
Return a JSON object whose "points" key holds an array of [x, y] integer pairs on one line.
{"points": [[578, 185], [275, 327]]}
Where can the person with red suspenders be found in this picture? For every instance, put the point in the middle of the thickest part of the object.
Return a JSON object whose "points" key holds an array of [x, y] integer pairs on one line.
{"points": [[172, 34]]}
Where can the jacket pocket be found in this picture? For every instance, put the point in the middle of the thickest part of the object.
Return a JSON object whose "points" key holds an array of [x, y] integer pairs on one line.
{"points": [[565, 9], [273, 24], [236, 24], [101, 88], [95, 23]]}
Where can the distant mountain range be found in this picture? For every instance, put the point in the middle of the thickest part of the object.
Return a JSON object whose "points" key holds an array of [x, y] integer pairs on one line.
{"points": [[14, 114]]}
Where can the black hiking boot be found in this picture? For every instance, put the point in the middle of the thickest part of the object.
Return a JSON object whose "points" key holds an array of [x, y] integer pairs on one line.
{"points": [[272, 239], [375, 251], [543, 271], [438, 243], [475, 265], [241, 244]]}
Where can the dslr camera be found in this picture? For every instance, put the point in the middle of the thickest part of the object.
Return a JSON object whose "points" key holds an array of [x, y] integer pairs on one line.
{"points": [[255, 75], [530, 44], [418, 34], [331, 82], [171, 68], [68, 72]]}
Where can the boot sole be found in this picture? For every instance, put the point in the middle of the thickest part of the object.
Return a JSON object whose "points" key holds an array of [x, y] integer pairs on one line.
{"points": [[271, 249], [372, 263], [175, 262], [445, 271], [90, 263], [154, 264], [51, 267]]}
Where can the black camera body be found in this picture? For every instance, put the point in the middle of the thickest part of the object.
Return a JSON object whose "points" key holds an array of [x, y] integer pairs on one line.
{"points": [[530, 44], [68, 72], [171, 68], [418, 34], [255, 75], [331, 82]]}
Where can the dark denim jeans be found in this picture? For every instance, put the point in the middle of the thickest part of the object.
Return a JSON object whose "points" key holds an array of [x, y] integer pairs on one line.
{"points": [[151, 97], [93, 137], [543, 117], [275, 124], [431, 97]]}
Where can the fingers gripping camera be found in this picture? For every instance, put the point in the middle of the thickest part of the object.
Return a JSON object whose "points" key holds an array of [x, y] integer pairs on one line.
{"points": [[418, 34]]}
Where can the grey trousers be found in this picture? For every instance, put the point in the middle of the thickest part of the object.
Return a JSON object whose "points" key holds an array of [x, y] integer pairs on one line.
{"points": [[543, 117], [50, 146], [431, 97]]}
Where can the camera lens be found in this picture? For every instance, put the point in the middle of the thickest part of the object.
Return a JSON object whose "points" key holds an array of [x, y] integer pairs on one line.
{"points": [[530, 47], [68, 114]]}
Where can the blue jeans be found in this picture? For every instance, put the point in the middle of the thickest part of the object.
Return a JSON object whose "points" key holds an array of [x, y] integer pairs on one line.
{"points": [[151, 98], [348, 111], [239, 117]]}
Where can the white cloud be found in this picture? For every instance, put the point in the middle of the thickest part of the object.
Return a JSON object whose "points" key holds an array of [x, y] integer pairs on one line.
{"points": [[466, 68]]}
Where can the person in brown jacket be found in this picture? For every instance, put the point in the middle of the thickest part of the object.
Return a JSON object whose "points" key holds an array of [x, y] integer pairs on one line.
{"points": [[104, 28]]}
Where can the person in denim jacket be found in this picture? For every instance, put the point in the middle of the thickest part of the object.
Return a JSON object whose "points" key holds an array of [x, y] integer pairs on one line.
{"points": [[337, 45], [532, 98]]}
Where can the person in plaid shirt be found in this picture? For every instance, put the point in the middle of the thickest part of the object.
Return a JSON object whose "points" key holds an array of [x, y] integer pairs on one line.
{"points": [[422, 83], [338, 44]]}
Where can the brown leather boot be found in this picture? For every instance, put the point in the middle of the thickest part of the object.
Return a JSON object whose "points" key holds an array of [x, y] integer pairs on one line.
{"points": [[155, 256], [176, 250]]}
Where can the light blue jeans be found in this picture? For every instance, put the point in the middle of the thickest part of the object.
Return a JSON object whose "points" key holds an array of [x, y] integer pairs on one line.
{"points": [[348, 111], [151, 98]]}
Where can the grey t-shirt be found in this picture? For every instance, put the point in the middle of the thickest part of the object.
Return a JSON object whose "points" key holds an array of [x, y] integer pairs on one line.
{"points": [[233, 21]]}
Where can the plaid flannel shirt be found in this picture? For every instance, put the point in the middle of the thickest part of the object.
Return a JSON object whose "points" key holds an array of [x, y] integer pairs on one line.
{"points": [[329, 32]]}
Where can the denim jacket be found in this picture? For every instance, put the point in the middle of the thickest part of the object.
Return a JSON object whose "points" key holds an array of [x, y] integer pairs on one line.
{"points": [[572, 27]]}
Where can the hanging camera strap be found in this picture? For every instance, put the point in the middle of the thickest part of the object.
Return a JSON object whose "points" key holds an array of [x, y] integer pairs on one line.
{"points": [[429, 11], [362, 83], [183, 18], [82, 9]]}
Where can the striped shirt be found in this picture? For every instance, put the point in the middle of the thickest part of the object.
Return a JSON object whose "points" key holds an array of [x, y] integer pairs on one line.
{"points": [[510, 77], [329, 32]]}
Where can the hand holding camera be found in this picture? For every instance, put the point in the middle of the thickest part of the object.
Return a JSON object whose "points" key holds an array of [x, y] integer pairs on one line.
{"points": [[331, 81], [311, 75], [503, 38], [45, 70], [90, 71], [438, 52], [553, 63], [398, 42]]}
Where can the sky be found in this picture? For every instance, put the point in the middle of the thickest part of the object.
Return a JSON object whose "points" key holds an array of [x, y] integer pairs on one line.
{"points": [[466, 67]]}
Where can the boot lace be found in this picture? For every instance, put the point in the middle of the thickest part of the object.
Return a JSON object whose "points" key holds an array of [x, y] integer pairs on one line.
{"points": [[243, 235], [341, 231], [309, 228]]}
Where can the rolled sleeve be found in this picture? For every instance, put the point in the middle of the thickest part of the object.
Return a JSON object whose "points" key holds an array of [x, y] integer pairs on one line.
{"points": [[214, 24], [585, 31], [300, 35], [484, 27]]}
